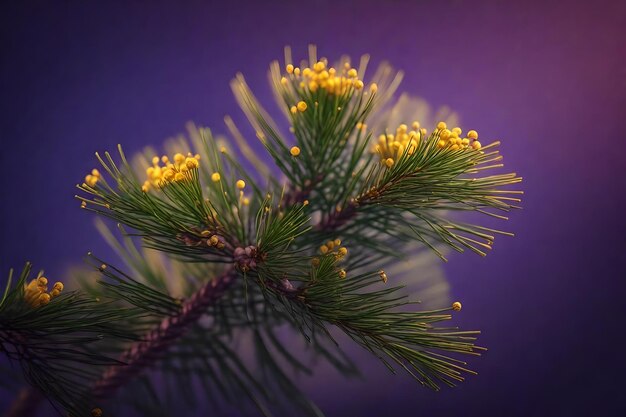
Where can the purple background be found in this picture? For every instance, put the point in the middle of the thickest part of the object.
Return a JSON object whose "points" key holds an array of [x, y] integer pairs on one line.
{"points": [[549, 79]]}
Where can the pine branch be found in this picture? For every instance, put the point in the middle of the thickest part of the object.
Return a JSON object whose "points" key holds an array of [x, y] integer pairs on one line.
{"points": [[144, 353]]}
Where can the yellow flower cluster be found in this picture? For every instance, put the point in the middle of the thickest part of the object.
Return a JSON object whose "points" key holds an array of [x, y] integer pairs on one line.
{"points": [[158, 175], [334, 247], [92, 179], [36, 292], [390, 147], [327, 79], [453, 140]]}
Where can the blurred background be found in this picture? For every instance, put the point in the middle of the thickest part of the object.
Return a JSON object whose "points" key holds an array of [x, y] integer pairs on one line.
{"points": [[546, 78]]}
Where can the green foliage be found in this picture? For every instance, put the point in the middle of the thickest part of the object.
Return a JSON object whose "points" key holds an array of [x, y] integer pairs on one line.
{"points": [[62, 346], [200, 217]]}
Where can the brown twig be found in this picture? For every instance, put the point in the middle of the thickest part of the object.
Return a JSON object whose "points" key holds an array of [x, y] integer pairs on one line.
{"points": [[145, 353]]}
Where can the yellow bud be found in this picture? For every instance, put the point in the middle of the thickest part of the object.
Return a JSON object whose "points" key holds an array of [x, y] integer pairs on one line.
{"points": [[179, 158], [283, 81], [342, 273], [342, 252], [415, 125], [445, 134], [179, 176], [457, 130], [289, 69], [358, 84], [456, 306], [44, 299], [324, 249], [441, 125], [305, 203], [215, 177], [337, 242], [296, 71], [472, 134], [383, 275], [214, 240], [95, 173], [245, 201], [42, 281], [165, 159], [191, 163], [352, 73], [295, 151], [240, 184], [374, 88], [54, 293], [293, 110], [389, 162], [301, 106], [155, 160], [476, 145], [58, 286]]}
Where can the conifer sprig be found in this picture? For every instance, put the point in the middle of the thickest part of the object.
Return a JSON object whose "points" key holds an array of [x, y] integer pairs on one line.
{"points": [[259, 254]]}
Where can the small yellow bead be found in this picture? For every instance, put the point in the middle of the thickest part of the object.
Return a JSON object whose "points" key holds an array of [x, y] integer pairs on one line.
{"points": [[191, 163], [296, 71], [241, 184], [456, 306], [441, 125], [352, 73], [95, 173], [457, 130], [441, 143], [215, 177], [302, 106], [305, 203], [415, 125], [289, 69], [246, 201], [293, 110], [358, 84], [389, 162], [44, 298], [342, 252], [342, 273], [373, 88], [324, 249], [155, 160], [383, 275], [476, 145], [58, 286], [179, 158], [472, 134], [283, 81], [337, 242], [295, 151], [214, 240], [179, 176]]}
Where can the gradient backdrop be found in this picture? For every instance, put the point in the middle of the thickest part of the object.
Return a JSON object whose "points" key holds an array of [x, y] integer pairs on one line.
{"points": [[547, 78]]}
